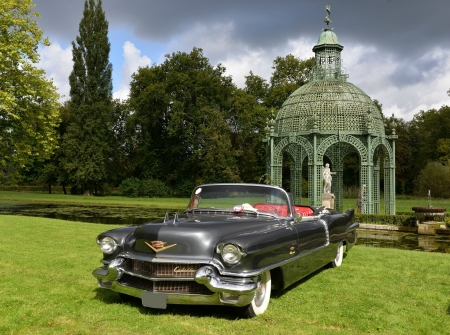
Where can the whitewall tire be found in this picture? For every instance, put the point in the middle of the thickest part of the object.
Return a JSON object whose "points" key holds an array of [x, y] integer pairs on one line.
{"points": [[337, 261], [261, 299]]}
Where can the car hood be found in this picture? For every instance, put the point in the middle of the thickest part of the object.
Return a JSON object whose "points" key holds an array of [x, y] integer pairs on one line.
{"points": [[194, 237]]}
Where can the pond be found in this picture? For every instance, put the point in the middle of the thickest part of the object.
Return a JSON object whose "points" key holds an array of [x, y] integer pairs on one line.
{"points": [[403, 240], [139, 215], [94, 214]]}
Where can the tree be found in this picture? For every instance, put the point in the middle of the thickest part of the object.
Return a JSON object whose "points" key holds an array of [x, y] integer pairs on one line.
{"points": [[256, 86], [434, 177], [427, 128], [28, 101], [122, 143], [85, 145], [443, 148], [289, 74], [180, 117], [246, 120], [53, 172]]}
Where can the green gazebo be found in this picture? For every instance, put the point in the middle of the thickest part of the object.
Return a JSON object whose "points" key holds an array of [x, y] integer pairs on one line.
{"points": [[330, 117]]}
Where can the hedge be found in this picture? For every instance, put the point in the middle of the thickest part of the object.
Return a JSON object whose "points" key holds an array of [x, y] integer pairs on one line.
{"points": [[404, 219]]}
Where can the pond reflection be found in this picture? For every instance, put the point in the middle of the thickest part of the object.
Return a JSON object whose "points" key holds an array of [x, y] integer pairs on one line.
{"points": [[92, 214], [403, 240]]}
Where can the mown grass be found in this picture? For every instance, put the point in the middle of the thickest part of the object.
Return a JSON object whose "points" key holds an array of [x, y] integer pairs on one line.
{"points": [[46, 287]]}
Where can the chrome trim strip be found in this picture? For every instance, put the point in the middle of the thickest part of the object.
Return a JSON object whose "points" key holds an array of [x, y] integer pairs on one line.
{"points": [[153, 258], [187, 299], [269, 267], [134, 274], [326, 232], [209, 277]]}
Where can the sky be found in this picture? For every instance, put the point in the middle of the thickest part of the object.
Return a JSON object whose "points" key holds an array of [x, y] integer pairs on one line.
{"points": [[396, 51]]}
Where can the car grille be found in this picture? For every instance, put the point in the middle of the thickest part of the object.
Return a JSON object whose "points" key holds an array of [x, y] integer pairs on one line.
{"points": [[162, 270], [186, 287]]}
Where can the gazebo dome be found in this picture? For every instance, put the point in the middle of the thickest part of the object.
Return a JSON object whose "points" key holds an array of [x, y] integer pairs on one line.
{"points": [[328, 103], [327, 37], [329, 106]]}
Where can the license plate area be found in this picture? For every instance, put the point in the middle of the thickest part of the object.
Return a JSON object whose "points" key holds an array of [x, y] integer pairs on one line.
{"points": [[154, 300]]}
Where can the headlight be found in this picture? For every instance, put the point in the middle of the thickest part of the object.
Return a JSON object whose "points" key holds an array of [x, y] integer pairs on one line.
{"points": [[108, 245], [231, 254]]}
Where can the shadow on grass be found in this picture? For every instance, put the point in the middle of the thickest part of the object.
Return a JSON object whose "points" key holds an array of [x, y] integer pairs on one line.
{"points": [[279, 293], [200, 311]]}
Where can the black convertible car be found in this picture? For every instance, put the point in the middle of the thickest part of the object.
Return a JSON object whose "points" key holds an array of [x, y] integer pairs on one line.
{"points": [[232, 245]]}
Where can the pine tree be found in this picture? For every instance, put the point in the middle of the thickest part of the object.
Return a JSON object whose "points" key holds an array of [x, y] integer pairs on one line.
{"points": [[85, 144]]}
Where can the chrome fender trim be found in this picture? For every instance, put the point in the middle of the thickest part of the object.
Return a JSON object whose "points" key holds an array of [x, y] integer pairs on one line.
{"points": [[111, 272], [209, 277]]}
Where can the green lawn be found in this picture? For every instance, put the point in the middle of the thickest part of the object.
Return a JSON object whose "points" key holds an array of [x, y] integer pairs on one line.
{"points": [[46, 287]]}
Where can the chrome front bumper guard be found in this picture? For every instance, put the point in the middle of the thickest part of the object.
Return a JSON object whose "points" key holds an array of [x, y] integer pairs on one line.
{"points": [[234, 291]]}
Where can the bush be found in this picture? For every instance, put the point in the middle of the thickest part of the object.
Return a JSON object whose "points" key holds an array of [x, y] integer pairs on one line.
{"points": [[185, 188], [130, 187], [436, 178], [154, 188], [395, 220], [134, 187]]}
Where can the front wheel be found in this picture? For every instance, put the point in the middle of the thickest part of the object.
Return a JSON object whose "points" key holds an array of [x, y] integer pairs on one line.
{"points": [[337, 261], [261, 299]]}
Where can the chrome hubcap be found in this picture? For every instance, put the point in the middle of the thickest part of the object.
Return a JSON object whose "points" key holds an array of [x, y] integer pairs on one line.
{"points": [[260, 292]]}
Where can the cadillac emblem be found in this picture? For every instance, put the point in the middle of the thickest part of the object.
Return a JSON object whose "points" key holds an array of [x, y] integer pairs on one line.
{"points": [[158, 246]]}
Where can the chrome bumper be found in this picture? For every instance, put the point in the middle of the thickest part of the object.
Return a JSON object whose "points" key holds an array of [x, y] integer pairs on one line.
{"points": [[235, 291]]}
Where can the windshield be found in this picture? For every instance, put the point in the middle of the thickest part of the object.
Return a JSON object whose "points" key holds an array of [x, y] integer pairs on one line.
{"points": [[240, 198]]}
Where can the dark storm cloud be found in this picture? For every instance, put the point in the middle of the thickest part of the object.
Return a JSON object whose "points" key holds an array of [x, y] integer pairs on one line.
{"points": [[401, 27], [416, 71]]}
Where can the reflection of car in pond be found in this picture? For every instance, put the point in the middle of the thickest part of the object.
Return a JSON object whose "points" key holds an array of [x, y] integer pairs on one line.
{"points": [[232, 246]]}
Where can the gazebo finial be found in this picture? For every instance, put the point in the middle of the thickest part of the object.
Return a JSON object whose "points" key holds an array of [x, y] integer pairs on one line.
{"points": [[327, 18]]}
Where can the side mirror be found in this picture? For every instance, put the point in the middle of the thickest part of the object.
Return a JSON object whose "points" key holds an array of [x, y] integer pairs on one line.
{"points": [[298, 217]]}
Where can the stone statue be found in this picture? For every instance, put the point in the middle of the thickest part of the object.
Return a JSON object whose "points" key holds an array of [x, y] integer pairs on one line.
{"points": [[327, 178]]}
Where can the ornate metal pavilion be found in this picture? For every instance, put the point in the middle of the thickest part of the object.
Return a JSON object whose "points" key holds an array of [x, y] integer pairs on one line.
{"points": [[330, 117]]}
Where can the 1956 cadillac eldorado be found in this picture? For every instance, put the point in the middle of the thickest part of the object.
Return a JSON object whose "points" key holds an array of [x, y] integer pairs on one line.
{"points": [[232, 245]]}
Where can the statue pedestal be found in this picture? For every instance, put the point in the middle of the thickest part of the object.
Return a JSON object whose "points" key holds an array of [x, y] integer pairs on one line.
{"points": [[328, 200]]}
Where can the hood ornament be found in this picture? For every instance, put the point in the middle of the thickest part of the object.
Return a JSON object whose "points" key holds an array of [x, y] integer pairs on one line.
{"points": [[158, 246]]}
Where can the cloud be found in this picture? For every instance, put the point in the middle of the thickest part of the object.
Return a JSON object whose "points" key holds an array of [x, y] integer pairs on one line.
{"points": [[57, 63], [394, 50], [132, 61]]}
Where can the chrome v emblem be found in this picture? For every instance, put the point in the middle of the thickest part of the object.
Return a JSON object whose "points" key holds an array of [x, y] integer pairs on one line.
{"points": [[158, 246]]}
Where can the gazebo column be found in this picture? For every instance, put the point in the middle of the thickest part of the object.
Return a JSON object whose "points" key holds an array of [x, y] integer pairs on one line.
{"points": [[389, 174], [364, 192], [376, 186], [315, 182], [338, 184], [296, 176], [389, 183]]}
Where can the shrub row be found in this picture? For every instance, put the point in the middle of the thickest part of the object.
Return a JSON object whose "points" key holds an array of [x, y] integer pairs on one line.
{"points": [[134, 187], [400, 219], [395, 220], [30, 188]]}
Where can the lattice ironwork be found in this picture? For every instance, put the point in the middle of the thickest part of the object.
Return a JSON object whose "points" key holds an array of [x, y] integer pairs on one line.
{"points": [[298, 154], [330, 117]]}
